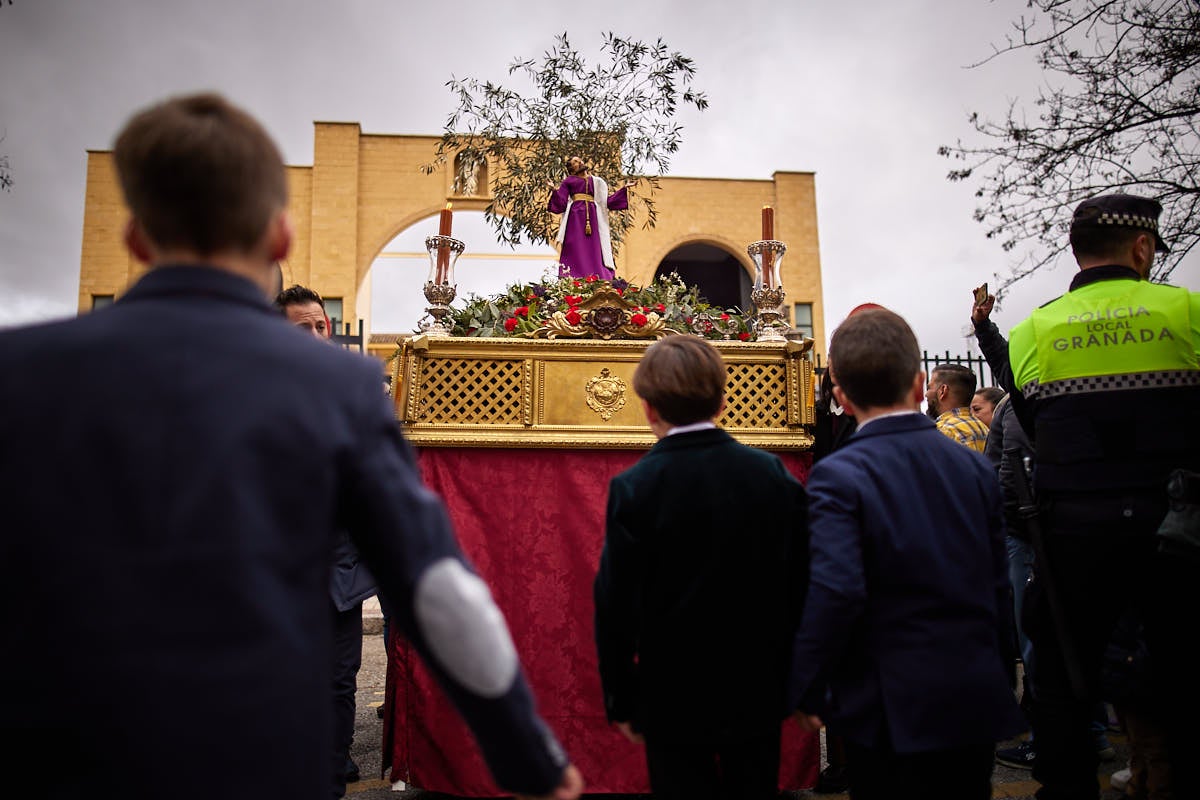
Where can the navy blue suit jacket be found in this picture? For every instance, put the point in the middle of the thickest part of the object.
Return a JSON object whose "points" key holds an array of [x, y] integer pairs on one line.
{"points": [[175, 468], [900, 644]]}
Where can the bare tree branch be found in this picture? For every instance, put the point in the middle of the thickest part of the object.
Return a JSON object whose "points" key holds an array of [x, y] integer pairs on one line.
{"points": [[1119, 112]]}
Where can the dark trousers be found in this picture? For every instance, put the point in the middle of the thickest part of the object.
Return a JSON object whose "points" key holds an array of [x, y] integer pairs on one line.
{"points": [[1097, 578], [883, 774], [347, 658], [747, 769], [1103, 561]]}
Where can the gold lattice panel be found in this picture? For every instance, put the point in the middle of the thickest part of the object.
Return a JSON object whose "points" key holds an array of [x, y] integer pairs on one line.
{"points": [[753, 399], [471, 391]]}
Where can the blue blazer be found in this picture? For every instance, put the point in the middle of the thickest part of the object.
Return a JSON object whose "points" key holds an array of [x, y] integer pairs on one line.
{"points": [[175, 468], [901, 640]]}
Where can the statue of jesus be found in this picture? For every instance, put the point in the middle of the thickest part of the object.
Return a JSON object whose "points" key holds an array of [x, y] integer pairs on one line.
{"points": [[586, 246]]}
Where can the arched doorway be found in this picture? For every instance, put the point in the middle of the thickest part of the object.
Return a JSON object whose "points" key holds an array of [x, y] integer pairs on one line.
{"points": [[719, 276]]}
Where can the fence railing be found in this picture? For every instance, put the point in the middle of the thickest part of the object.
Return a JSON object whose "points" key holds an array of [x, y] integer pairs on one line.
{"points": [[977, 364]]}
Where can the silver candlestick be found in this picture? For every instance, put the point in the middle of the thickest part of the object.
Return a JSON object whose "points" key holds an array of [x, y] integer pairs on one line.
{"points": [[440, 288], [768, 294]]}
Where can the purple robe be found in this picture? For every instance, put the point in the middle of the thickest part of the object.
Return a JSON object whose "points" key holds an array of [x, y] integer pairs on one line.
{"points": [[582, 253]]}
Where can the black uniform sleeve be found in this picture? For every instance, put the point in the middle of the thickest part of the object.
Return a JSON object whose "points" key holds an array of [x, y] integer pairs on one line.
{"points": [[995, 350]]}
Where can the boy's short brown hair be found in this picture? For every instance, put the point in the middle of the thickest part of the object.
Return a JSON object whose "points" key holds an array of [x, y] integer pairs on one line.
{"points": [[200, 174], [683, 378], [874, 357]]}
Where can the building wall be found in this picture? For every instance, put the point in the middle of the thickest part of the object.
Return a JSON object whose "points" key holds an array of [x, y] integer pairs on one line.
{"points": [[362, 190]]}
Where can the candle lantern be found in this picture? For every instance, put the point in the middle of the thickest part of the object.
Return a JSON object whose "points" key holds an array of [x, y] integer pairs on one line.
{"points": [[440, 288], [768, 294]]}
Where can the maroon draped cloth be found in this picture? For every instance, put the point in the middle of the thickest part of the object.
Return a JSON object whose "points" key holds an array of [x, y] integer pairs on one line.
{"points": [[532, 521]]}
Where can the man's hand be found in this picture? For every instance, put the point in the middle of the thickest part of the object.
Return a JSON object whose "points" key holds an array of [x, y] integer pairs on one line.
{"points": [[569, 788], [808, 722], [626, 729], [981, 311], [630, 184]]}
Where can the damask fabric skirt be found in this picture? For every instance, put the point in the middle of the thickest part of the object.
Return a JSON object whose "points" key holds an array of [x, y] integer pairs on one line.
{"points": [[532, 522]]}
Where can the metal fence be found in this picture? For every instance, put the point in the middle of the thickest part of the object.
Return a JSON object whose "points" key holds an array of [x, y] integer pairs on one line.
{"points": [[977, 364]]}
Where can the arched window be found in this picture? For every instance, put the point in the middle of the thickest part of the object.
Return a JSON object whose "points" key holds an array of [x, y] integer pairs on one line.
{"points": [[719, 276]]}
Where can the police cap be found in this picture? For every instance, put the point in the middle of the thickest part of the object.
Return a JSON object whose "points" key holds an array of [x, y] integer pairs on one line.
{"points": [[1120, 210]]}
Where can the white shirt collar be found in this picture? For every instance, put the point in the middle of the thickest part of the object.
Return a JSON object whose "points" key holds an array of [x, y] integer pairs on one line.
{"points": [[695, 426]]}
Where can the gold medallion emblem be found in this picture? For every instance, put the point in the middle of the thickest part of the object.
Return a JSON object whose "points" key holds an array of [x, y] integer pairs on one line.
{"points": [[605, 394]]}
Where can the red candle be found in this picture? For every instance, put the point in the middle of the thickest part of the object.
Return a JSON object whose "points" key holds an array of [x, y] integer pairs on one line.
{"points": [[445, 224], [768, 257]]}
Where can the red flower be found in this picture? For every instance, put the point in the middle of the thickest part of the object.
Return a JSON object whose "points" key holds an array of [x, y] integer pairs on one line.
{"points": [[620, 291], [573, 317], [573, 299], [638, 319], [531, 296], [744, 336], [725, 316], [660, 308], [510, 324], [521, 311], [591, 278], [577, 283]]}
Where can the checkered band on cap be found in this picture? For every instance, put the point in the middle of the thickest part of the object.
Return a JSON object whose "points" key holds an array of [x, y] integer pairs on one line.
{"points": [[1112, 383], [1128, 220]]}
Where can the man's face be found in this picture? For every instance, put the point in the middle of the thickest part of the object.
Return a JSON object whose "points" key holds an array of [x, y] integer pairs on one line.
{"points": [[934, 395], [575, 165], [309, 316], [982, 409]]}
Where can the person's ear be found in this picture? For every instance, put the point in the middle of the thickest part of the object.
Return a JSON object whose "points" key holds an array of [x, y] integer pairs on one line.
{"points": [[918, 388], [1143, 254], [280, 235], [138, 242], [845, 402], [651, 415]]}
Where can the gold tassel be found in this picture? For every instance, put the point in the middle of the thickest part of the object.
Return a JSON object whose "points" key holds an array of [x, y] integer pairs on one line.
{"points": [[587, 229]]}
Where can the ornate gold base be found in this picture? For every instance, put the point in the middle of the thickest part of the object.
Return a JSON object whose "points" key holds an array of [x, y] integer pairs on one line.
{"points": [[475, 392]]}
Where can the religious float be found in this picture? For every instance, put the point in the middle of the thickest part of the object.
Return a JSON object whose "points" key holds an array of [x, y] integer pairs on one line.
{"points": [[522, 408]]}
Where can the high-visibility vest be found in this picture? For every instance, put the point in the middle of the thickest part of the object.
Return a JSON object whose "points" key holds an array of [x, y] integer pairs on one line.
{"points": [[1104, 329], [1112, 375]]}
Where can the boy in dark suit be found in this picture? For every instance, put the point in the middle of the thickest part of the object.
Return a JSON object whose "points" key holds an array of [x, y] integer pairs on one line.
{"points": [[179, 523], [697, 593], [903, 638]]}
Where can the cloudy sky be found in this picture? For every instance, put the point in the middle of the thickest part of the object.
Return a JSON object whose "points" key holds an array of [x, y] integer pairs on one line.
{"points": [[860, 93]]}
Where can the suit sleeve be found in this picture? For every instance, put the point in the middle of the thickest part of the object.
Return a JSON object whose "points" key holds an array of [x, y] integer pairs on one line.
{"points": [[617, 596], [440, 604], [837, 590]]}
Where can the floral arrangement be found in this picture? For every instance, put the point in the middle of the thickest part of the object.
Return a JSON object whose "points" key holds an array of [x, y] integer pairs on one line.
{"points": [[525, 307]]}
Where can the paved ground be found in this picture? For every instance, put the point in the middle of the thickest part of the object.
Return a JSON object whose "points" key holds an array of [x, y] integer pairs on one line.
{"points": [[1008, 783]]}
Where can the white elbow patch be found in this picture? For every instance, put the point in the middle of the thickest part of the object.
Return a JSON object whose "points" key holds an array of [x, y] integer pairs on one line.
{"points": [[464, 629]]}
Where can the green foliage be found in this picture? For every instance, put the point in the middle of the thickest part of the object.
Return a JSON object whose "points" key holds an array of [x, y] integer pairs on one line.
{"points": [[619, 115], [1118, 112], [530, 305]]}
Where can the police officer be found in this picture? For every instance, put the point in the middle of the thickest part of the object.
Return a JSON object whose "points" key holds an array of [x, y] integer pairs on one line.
{"points": [[1108, 384]]}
